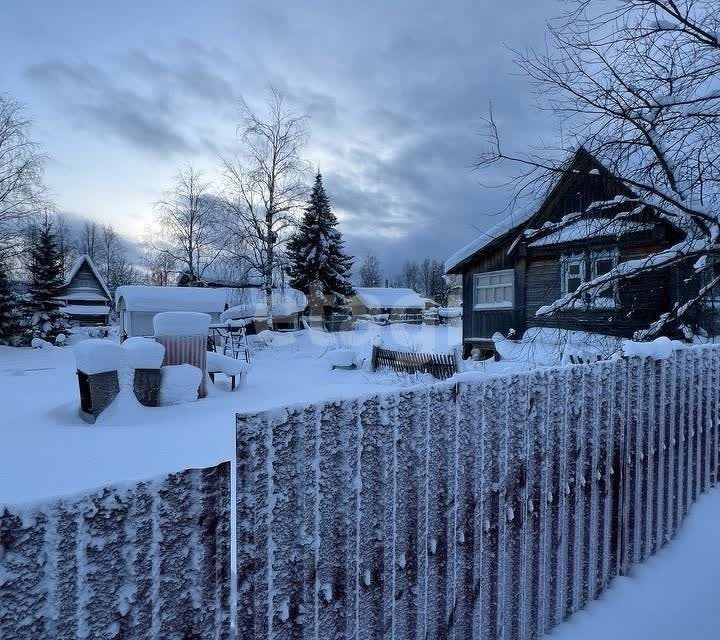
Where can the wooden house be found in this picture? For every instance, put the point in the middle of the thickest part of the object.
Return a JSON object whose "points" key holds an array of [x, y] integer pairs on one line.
{"points": [[86, 297], [574, 234]]}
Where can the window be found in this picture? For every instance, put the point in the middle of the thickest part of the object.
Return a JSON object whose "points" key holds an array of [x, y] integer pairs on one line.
{"points": [[572, 273], [494, 290], [578, 268], [603, 262]]}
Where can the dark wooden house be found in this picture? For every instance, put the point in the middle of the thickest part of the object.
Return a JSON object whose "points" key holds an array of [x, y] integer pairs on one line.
{"points": [[86, 297], [586, 224]]}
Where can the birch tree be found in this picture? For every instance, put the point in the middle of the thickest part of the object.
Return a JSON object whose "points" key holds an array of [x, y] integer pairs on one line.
{"points": [[265, 186], [638, 84], [190, 224], [22, 193]]}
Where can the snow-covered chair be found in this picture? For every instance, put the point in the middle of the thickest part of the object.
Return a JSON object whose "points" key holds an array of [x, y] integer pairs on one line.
{"points": [[233, 368]]}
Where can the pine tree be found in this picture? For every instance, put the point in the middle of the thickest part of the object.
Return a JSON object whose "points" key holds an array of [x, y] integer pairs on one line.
{"points": [[46, 317], [10, 329], [317, 252]]}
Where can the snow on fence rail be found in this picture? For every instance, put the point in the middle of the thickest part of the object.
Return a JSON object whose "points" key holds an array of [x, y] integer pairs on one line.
{"points": [[485, 509], [146, 560]]}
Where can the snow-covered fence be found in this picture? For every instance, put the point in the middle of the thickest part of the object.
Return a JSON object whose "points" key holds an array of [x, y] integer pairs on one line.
{"points": [[149, 560], [490, 508]]}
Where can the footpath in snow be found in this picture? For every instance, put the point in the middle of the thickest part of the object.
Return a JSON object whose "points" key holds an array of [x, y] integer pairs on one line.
{"points": [[675, 595]]}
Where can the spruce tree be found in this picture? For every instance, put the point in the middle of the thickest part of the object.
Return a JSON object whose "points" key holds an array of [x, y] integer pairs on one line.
{"points": [[317, 252], [10, 329], [46, 317]]}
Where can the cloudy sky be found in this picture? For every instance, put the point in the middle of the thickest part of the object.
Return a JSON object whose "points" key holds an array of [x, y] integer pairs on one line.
{"points": [[122, 93]]}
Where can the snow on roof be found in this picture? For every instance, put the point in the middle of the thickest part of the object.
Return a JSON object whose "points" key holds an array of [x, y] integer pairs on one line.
{"points": [[493, 233], [517, 218], [79, 295], [153, 298], [389, 298], [76, 267], [86, 310], [588, 228], [250, 303]]}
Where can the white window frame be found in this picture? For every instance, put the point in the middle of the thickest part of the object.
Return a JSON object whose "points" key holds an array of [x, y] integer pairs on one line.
{"points": [[605, 254], [565, 261], [486, 306]]}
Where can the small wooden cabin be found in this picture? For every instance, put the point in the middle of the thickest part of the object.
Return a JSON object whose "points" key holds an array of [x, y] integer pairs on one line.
{"points": [[86, 296], [529, 261]]}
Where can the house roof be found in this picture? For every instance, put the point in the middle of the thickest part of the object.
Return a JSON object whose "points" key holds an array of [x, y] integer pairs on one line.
{"points": [[76, 267], [586, 228], [86, 310], [389, 298], [519, 218], [153, 298]]}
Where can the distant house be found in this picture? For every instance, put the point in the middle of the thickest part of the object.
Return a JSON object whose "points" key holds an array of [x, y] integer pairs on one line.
{"points": [[391, 303], [529, 260], [85, 294]]}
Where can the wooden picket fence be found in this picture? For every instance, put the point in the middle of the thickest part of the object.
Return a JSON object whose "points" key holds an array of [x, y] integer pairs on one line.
{"points": [[439, 365], [490, 509]]}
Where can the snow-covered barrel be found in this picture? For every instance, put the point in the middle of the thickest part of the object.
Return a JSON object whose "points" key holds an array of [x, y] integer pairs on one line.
{"points": [[145, 356], [98, 363], [184, 335]]}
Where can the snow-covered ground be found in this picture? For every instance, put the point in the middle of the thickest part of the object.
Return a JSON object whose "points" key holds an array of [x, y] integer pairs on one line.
{"points": [[47, 450], [672, 596]]}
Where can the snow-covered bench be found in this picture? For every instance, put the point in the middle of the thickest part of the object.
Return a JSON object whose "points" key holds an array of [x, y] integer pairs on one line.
{"points": [[232, 368]]}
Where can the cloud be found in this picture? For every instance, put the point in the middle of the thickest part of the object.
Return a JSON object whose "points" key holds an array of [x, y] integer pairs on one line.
{"points": [[396, 93]]}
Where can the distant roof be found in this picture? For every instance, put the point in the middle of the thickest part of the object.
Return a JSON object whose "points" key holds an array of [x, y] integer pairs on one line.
{"points": [[389, 298], [152, 298], [76, 267]]}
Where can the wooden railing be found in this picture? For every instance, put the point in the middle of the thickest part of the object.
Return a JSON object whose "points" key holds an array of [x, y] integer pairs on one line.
{"points": [[438, 365]]}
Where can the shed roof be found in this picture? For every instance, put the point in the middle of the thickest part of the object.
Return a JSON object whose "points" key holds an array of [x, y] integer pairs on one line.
{"points": [[389, 298], [85, 258], [153, 298]]}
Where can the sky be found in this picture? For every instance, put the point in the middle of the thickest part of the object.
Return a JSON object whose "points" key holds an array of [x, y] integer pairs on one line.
{"points": [[122, 94]]}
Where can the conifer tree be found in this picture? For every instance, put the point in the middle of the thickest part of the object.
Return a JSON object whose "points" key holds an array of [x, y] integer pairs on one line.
{"points": [[46, 317], [317, 252], [10, 329]]}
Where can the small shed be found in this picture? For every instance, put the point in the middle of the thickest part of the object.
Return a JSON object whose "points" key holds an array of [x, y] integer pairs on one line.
{"points": [[398, 304], [250, 304], [137, 305], [85, 294]]}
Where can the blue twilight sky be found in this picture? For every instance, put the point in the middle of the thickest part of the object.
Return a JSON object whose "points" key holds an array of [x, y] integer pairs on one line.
{"points": [[122, 93]]}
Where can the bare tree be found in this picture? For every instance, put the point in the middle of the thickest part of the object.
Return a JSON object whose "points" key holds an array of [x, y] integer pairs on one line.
{"points": [[370, 273], [189, 220], [266, 186], [636, 83], [160, 268], [88, 242], [22, 192]]}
